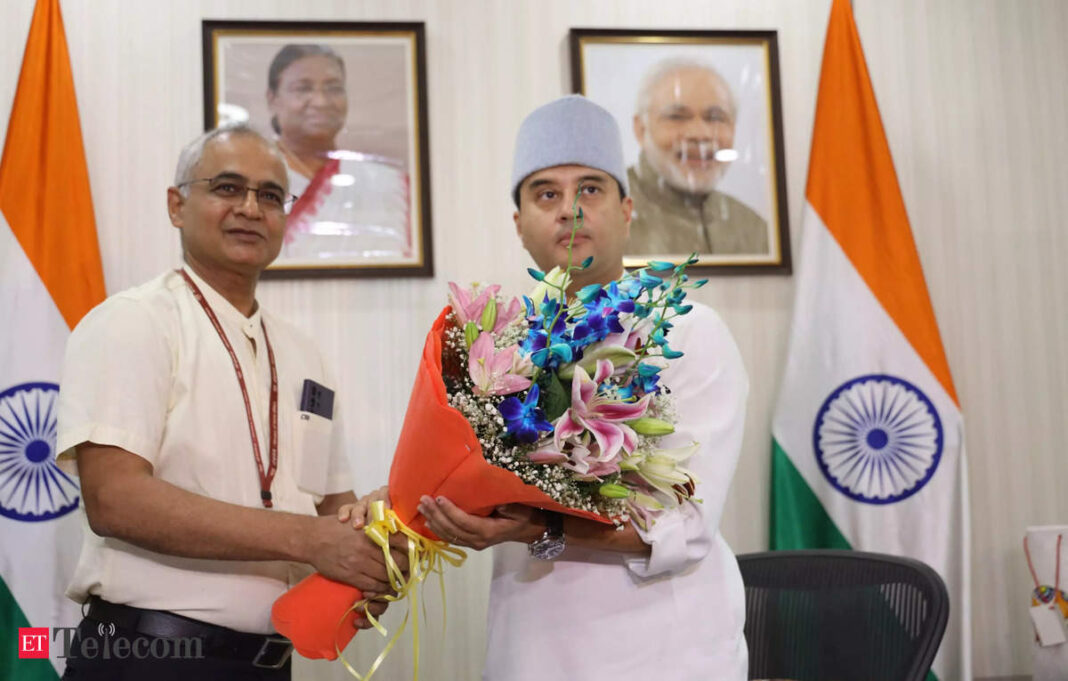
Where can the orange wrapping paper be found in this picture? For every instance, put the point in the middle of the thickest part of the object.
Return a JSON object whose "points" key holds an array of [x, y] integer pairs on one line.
{"points": [[438, 454]]}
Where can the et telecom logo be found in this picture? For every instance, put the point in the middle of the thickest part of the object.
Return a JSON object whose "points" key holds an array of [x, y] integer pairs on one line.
{"points": [[33, 644]]}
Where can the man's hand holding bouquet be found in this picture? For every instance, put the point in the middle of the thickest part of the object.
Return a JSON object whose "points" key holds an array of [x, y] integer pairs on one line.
{"points": [[548, 402]]}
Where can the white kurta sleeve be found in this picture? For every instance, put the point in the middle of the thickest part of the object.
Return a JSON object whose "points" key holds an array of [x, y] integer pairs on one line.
{"points": [[116, 378], [710, 386]]}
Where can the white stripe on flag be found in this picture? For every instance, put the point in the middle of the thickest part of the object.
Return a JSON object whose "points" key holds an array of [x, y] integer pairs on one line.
{"points": [[36, 558], [841, 332]]}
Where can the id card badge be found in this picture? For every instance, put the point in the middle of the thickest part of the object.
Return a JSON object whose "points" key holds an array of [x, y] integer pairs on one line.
{"points": [[1049, 625]]}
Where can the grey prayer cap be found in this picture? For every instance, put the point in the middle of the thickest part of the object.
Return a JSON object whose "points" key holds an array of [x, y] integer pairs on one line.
{"points": [[570, 130]]}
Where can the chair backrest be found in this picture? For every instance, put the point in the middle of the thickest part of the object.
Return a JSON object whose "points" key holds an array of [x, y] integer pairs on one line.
{"points": [[833, 615]]}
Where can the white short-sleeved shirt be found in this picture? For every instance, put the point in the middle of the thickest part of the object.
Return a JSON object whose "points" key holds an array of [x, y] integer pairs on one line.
{"points": [[676, 615], [146, 371]]}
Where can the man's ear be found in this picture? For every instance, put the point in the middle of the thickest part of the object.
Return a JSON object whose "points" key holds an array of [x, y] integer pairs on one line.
{"points": [[639, 128], [628, 212], [175, 201], [515, 219]]}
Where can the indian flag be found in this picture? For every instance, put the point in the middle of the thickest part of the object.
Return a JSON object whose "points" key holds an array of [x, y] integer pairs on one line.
{"points": [[868, 450], [50, 276]]}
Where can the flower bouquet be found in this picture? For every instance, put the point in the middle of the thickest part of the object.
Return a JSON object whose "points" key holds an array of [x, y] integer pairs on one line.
{"points": [[549, 402]]}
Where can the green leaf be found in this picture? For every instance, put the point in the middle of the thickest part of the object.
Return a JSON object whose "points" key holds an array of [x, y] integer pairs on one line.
{"points": [[555, 399]]}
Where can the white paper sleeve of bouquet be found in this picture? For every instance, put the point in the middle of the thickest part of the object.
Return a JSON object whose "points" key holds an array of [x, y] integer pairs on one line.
{"points": [[709, 385]]}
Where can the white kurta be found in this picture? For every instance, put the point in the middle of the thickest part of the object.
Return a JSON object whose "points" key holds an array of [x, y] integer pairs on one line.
{"points": [[677, 615], [146, 371]]}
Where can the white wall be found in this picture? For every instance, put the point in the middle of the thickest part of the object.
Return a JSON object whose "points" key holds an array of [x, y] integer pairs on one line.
{"points": [[973, 97]]}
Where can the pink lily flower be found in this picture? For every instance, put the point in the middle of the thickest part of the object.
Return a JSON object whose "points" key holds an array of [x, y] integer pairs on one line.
{"points": [[547, 454], [467, 306], [507, 314], [582, 457], [600, 415], [491, 370], [592, 470]]}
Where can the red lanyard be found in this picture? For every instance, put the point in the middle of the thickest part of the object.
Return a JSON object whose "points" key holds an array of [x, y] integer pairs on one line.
{"points": [[1057, 578], [265, 478]]}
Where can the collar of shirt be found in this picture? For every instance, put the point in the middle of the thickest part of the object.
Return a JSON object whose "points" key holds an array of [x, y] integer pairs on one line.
{"points": [[224, 310]]}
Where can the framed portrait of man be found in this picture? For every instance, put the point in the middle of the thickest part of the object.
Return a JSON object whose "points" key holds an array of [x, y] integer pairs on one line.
{"points": [[346, 103], [701, 120]]}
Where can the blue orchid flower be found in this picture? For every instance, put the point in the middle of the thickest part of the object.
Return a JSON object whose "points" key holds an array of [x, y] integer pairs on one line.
{"points": [[668, 353], [663, 324], [547, 348], [648, 281], [552, 356], [647, 378], [630, 287], [528, 304], [549, 308], [588, 293], [524, 419]]}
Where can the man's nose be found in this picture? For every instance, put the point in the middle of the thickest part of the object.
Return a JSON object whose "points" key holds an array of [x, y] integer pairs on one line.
{"points": [[569, 208], [699, 129], [250, 204]]}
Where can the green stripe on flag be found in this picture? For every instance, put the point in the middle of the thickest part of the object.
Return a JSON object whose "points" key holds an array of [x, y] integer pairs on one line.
{"points": [[798, 520], [11, 667]]}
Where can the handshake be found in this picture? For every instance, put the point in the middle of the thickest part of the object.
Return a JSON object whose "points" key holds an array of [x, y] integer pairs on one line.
{"points": [[353, 558]]}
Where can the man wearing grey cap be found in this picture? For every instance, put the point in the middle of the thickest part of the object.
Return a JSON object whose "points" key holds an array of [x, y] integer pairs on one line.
{"points": [[582, 600]]}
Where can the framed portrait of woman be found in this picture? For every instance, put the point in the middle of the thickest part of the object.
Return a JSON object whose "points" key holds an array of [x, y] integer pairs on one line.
{"points": [[701, 121], [346, 103]]}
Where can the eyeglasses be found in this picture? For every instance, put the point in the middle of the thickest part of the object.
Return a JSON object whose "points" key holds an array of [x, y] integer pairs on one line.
{"points": [[234, 189]]}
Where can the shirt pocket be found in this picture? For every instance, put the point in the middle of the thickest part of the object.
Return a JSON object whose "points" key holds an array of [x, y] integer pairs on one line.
{"points": [[312, 435]]}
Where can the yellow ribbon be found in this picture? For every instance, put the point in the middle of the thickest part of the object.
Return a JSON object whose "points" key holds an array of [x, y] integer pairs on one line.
{"points": [[424, 557]]}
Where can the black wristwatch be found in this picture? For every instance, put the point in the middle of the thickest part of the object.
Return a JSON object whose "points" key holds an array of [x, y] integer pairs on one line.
{"points": [[551, 544]]}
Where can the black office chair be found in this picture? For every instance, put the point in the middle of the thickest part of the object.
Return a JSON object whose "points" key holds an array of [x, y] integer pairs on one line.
{"points": [[833, 615]]}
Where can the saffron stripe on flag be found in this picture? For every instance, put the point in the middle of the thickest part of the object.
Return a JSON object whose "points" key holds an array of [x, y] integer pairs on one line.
{"points": [[44, 180], [852, 184]]}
